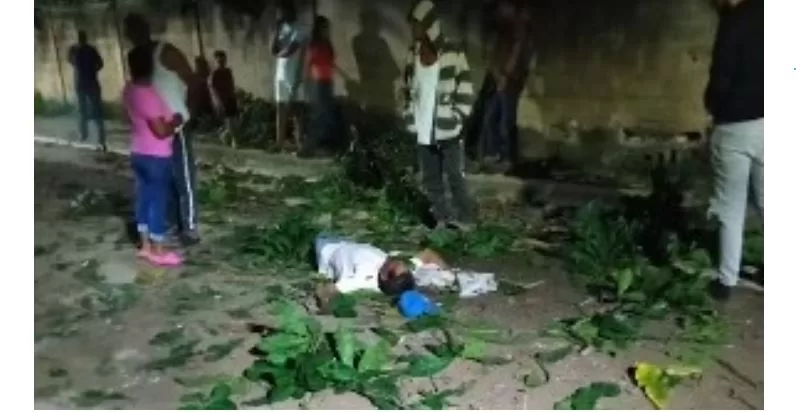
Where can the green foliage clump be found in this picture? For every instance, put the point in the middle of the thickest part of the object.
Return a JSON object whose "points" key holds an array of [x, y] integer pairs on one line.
{"points": [[604, 253]]}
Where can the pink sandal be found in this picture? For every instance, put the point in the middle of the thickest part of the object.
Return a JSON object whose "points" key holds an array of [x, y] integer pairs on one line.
{"points": [[164, 259]]}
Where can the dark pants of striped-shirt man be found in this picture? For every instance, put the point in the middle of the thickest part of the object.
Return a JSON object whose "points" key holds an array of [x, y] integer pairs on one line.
{"points": [[439, 162]]}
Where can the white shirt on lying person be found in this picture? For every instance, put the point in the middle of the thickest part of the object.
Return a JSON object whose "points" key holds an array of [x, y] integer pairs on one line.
{"points": [[352, 266]]}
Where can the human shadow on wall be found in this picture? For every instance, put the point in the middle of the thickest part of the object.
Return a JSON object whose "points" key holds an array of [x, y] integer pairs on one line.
{"points": [[377, 68], [204, 101]]}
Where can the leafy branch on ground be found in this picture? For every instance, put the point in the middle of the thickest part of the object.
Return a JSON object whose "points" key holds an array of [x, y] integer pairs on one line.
{"points": [[254, 127], [588, 396], [218, 399], [337, 205], [287, 243], [606, 259], [297, 357]]}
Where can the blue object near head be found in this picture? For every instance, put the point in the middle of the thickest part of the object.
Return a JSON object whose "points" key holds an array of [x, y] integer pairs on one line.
{"points": [[413, 304]]}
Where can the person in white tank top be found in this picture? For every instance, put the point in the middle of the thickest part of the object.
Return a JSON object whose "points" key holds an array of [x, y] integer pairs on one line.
{"points": [[176, 83], [287, 46]]}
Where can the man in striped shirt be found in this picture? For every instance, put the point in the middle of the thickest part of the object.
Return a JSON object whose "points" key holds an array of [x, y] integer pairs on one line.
{"points": [[439, 97]]}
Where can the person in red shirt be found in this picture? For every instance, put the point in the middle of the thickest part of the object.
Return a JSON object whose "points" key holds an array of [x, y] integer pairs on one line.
{"points": [[320, 68]]}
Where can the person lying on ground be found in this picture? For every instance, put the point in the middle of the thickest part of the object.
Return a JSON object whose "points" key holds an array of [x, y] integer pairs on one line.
{"points": [[351, 266]]}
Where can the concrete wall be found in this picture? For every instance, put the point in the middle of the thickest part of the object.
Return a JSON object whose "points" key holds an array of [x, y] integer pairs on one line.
{"points": [[638, 63]]}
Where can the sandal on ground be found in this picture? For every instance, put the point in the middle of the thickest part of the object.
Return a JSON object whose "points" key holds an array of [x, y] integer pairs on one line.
{"points": [[164, 259]]}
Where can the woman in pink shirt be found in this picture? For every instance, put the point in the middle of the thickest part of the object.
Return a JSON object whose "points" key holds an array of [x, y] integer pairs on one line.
{"points": [[152, 127]]}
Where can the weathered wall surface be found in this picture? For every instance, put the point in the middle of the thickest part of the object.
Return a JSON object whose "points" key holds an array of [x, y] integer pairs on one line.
{"points": [[638, 63]]}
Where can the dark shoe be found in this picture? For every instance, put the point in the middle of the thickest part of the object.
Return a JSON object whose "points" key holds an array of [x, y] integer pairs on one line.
{"points": [[719, 291], [189, 240], [459, 226]]}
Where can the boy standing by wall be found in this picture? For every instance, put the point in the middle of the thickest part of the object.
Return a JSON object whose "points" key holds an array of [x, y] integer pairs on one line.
{"points": [[222, 90], [439, 97]]}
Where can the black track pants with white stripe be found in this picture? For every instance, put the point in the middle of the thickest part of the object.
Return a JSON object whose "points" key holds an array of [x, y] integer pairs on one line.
{"points": [[184, 167]]}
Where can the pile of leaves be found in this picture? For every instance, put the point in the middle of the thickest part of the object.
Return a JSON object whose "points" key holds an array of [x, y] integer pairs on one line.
{"points": [[297, 357], [606, 257], [602, 241], [383, 157], [288, 243], [586, 398], [483, 241], [255, 126], [218, 399]]}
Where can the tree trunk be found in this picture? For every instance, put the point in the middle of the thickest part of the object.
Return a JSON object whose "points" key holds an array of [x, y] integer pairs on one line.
{"points": [[198, 22], [57, 49], [119, 39]]}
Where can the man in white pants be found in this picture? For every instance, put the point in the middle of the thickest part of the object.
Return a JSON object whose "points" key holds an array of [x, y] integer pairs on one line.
{"points": [[734, 97]]}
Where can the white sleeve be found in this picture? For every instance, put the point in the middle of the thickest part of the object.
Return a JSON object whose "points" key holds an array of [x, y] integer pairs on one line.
{"points": [[296, 35], [324, 251], [345, 278]]}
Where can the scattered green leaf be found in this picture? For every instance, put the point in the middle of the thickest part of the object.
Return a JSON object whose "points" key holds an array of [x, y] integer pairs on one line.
{"points": [[586, 398], [95, 397], [658, 382], [219, 351]]}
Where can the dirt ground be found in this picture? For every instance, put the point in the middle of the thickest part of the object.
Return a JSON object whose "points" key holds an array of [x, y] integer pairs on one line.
{"points": [[99, 316]]}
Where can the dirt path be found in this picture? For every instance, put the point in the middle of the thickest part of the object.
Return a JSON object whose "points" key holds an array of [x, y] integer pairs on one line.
{"points": [[112, 333]]}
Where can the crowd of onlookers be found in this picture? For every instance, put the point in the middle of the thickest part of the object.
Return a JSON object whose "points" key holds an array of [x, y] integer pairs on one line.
{"points": [[436, 99]]}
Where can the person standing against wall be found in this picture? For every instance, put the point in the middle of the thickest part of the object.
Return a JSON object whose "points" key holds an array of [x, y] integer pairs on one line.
{"points": [[508, 67], [439, 97], [222, 91], [180, 88], [87, 62], [287, 46], [734, 97], [320, 68]]}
